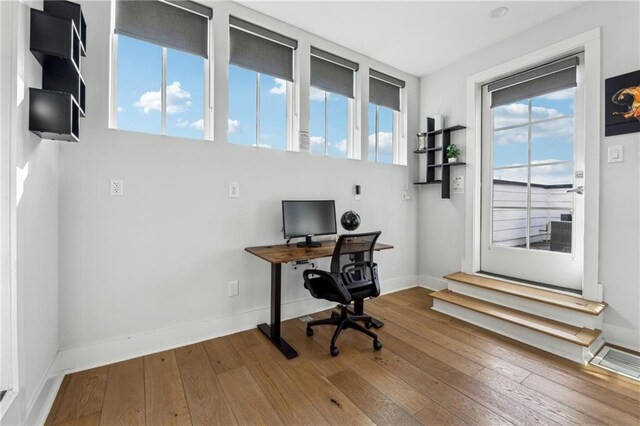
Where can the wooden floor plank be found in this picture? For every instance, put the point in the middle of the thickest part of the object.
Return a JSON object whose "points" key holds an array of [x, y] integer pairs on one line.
{"points": [[480, 357], [433, 369], [599, 411], [372, 402], [165, 400], [207, 403], [596, 383], [334, 405], [81, 395], [542, 403], [124, 396], [247, 401], [392, 386], [282, 392], [435, 414], [222, 354]]}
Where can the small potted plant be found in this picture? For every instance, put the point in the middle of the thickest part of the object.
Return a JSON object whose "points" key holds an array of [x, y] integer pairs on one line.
{"points": [[452, 153]]}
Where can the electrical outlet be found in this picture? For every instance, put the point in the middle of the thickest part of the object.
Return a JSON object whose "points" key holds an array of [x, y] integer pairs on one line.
{"points": [[404, 195], [117, 187], [234, 288], [234, 190]]}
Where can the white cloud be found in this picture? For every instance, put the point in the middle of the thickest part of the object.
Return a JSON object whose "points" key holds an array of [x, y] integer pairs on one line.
{"points": [[316, 94], [178, 100], [550, 174], [120, 109], [182, 122], [385, 142], [340, 146], [198, 124], [518, 114], [232, 126], [316, 140], [280, 88]]}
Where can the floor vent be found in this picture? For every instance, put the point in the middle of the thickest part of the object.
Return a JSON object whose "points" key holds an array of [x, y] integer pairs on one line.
{"points": [[619, 362]]}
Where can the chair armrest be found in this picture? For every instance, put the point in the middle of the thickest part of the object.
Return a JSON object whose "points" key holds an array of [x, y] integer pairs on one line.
{"points": [[331, 280]]}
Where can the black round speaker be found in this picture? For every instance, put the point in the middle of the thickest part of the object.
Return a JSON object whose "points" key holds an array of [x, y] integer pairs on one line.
{"points": [[350, 220]]}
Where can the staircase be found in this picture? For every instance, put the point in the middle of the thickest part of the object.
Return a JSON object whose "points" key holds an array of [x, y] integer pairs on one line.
{"points": [[567, 326]]}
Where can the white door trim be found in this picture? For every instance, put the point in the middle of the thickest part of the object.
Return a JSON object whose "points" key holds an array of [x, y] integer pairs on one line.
{"points": [[589, 42]]}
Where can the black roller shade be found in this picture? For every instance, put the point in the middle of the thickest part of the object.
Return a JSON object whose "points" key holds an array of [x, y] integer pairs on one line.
{"points": [[260, 49], [332, 73], [536, 82], [181, 25], [384, 90]]}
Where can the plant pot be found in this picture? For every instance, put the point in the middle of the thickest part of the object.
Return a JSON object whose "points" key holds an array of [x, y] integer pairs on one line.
{"points": [[452, 160]]}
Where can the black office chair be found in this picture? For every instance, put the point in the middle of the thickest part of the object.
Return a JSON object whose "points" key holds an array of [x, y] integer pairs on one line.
{"points": [[353, 276]]}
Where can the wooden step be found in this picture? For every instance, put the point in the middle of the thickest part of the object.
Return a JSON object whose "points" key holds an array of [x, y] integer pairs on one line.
{"points": [[544, 296], [579, 336]]}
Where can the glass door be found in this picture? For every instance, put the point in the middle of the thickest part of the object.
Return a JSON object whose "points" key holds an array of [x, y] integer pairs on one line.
{"points": [[532, 169]]}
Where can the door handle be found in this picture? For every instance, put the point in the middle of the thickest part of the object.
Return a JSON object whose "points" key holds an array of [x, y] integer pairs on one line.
{"points": [[577, 190]]}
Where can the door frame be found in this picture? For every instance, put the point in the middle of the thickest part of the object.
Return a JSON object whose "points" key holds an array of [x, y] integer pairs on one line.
{"points": [[589, 42]]}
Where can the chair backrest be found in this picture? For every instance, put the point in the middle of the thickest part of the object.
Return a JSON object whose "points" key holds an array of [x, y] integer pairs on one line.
{"points": [[359, 245]]}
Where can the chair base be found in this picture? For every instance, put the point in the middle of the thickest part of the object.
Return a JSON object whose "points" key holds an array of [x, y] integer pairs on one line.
{"points": [[344, 321]]}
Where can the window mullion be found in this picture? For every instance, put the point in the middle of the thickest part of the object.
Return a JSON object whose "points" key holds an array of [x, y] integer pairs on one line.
{"points": [[163, 91]]}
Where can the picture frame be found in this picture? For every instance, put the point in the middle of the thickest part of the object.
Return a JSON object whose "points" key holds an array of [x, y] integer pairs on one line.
{"points": [[622, 104]]}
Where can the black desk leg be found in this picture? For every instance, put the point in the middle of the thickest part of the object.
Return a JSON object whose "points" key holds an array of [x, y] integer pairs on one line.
{"points": [[272, 331]]}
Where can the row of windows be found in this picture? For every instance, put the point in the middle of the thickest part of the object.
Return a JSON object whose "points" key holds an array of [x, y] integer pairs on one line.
{"points": [[258, 109]]}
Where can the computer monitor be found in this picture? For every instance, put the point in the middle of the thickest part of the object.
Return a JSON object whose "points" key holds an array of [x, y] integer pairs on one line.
{"points": [[308, 218]]}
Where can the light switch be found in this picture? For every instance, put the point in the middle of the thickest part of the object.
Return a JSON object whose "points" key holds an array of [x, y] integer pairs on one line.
{"points": [[458, 184], [615, 154]]}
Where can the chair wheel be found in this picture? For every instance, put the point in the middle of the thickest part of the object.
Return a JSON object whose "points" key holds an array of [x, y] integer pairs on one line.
{"points": [[377, 345], [309, 331], [334, 314], [368, 324], [334, 351]]}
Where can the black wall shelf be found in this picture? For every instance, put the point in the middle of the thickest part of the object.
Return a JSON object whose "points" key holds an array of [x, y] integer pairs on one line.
{"points": [[430, 151], [57, 41]]}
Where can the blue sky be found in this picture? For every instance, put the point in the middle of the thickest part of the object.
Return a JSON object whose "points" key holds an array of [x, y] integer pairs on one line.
{"points": [[551, 140], [139, 103], [139, 83]]}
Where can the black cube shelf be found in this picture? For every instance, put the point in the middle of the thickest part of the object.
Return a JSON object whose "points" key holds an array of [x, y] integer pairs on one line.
{"points": [[53, 115], [430, 151], [58, 40]]}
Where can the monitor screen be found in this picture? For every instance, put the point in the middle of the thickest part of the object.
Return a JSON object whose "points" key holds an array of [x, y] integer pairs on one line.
{"points": [[303, 218]]}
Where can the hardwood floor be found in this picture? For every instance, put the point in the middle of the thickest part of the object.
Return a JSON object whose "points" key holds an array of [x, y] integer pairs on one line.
{"points": [[433, 369]]}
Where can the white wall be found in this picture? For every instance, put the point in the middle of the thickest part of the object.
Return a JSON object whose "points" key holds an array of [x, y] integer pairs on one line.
{"points": [[160, 256], [37, 225], [444, 92]]}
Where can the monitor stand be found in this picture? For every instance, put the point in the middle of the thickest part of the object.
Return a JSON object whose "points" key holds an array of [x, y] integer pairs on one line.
{"points": [[309, 243]]}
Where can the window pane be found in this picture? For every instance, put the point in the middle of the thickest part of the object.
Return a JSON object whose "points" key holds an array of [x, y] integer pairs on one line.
{"points": [[553, 104], [242, 106], [510, 187], [509, 227], [510, 147], [139, 83], [273, 112], [316, 121], [185, 94], [385, 135], [338, 123], [552, 141], [372, 132], [511, 115]]}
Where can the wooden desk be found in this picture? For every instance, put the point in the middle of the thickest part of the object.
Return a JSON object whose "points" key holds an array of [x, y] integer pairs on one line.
{"points": [[277, 255]]}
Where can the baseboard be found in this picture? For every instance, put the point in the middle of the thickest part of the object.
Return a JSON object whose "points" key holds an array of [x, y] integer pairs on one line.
{"points": [[432, 283], [622, 336], [120, 349], [40, 404]]}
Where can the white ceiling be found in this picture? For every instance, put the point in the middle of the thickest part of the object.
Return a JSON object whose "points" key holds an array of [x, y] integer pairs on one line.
{"points": [[416, 37]]}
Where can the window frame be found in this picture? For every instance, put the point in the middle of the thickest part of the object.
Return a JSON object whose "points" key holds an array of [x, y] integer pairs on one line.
{"points": [[350, 149], [395, 134], [208, 95], [289, 102]]}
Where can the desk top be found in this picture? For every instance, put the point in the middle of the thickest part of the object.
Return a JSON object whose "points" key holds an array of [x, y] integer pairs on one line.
{"points": [[284, 253]]}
